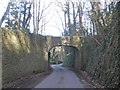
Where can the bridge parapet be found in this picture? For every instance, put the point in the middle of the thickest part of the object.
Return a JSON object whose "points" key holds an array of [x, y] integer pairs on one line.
{"points": [[70, 41], [63, 40]]}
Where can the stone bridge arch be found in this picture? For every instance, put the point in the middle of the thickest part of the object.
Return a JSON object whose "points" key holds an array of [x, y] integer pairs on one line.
{"points": [[65, 41]]}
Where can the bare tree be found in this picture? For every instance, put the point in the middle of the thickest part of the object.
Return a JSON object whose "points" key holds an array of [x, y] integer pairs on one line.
{"points": [[26, 14], [63, 8], [5, 14], [38, 15], [80, 15], [68, 16], [17, 15], [74, 17]]}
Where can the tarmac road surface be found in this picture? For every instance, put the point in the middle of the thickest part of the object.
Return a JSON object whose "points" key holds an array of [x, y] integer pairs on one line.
{"points": [[61, 77]]}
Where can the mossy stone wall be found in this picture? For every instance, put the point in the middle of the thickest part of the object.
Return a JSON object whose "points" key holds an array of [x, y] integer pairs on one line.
{"points": [[0, 60], [22, 54]]}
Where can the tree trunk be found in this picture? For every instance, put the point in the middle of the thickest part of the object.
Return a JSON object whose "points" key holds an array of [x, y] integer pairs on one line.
{"points": [[5, 14], [81, 33], [74, 18], [68, 13]]}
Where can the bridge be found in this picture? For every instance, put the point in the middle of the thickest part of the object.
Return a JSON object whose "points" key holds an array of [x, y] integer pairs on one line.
{"points": [[63, 41], [66, 41], [28, 54]]}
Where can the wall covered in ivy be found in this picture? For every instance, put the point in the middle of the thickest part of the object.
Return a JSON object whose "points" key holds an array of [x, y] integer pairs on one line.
{"points": [[22, 54]]}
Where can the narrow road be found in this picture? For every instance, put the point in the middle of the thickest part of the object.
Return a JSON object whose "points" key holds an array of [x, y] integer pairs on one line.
{"points": [[61, 78]]}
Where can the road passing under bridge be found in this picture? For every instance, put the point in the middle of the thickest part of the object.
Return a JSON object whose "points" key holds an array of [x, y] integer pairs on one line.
{"points": [[61, 77]]}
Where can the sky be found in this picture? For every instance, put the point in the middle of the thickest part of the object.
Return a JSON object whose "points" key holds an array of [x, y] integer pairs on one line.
{"points": [[3, 5], [54, 25]]}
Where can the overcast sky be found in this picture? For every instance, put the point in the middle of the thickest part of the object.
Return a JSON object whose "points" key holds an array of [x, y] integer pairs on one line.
{"points": [[54, 26]]}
